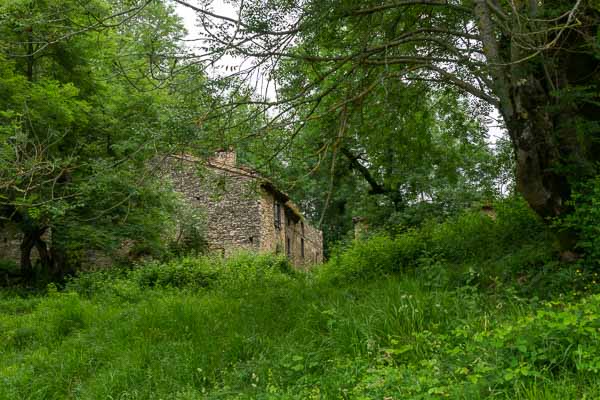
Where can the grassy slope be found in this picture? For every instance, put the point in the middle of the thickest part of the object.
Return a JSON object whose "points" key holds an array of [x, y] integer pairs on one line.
{"points": [[458, 322]]}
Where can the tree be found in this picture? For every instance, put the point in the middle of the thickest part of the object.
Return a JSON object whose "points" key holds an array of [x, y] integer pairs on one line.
{"points": [[394, 170], [84, 103], [535, 61]]}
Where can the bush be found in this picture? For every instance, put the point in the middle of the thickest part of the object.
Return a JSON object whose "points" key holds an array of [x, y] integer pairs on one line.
{"points": [[552, 346], [250, 326], [584, 221], [470, 240], [471, 235], [8, 266], [242, 270], [187, 272], [375, 257]]}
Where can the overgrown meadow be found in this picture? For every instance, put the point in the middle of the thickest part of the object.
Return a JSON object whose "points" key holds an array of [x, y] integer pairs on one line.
{"points": [[471, 308]]}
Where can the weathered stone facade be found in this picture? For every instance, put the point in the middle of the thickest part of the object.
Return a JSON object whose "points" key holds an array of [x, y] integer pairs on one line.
{"points": [[244, 210], [241, 210], [10, 241]]}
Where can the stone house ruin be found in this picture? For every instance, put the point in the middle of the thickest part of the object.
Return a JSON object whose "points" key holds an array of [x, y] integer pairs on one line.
{"points": [[242, 210]]}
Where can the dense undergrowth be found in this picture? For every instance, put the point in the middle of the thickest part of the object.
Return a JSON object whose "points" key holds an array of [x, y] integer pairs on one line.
{"points": [[471, 308]]}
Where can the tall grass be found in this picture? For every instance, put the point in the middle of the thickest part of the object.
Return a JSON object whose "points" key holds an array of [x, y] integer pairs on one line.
{"points": [[410, 317]]}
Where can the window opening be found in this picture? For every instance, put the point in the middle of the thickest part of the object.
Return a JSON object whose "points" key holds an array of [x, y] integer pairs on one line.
{"points": [[277, 215]]}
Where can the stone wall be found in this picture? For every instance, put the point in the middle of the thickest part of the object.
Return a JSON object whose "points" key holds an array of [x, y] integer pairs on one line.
{"points": [[10, 250], [10, 241], [313, 244], [229, 197], [293, 236], [238, 209], [271, 237]]}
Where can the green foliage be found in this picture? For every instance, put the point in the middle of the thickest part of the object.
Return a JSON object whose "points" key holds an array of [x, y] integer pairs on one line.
{"points": [[388, 317], [8, 266], [390, 167], [521, 356], [256, 332], [378, 256], [194, 273], [513, 241], [87, 104], [584, 221], [191, 236]]}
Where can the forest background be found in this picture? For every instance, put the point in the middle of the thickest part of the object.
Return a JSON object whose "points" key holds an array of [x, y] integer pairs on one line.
{"points": [[372, 111], [92, 92]]}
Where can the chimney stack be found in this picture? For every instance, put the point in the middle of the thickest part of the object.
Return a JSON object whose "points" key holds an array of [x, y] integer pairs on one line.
{"points": [[226, 157]]}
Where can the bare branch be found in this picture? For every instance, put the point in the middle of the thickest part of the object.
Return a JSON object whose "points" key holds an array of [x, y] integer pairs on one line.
{"points": [[406, 3]]}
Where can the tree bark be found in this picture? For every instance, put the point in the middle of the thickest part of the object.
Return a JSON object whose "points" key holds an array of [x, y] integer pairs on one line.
{"points": [[62, 265], [537, 155], [27, 244], [541, 127], [45, 256]]}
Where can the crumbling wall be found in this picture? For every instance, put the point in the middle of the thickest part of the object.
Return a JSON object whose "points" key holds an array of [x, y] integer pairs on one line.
{"points": [[10, 241], [228, 196], [271, 237], [313, 244], [301, 242]]}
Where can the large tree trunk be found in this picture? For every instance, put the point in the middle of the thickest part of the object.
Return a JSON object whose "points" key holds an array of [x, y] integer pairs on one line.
{"points": [[46, 259], [60, 262], [27, 244], [33, 238], [537, 150], [549, 154], [53, 260]]}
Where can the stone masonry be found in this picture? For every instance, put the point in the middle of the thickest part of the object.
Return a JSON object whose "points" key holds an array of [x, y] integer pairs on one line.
{"points": [[243, 210]]}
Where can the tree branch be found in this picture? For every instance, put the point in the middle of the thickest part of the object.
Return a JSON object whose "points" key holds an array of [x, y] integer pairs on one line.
{"points": [[467, 87], [405, 3], [376, 188]]}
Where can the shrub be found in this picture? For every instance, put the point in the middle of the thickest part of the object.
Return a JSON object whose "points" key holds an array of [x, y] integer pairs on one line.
{"points": [[241, 270], [471, 239], [9, 266], [465, 237], [558, 343], [473, 235], [187, 272], [375, 257], [584, 221], [190, 238]]}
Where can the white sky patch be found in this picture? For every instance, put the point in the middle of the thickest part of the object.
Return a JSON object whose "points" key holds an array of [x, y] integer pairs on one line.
{"points": [[226, 64], [495, 127], [188, 15], [194, 33]]}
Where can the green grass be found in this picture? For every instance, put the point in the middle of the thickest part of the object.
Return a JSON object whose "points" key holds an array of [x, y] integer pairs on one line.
{"points": [[414, 323]]}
